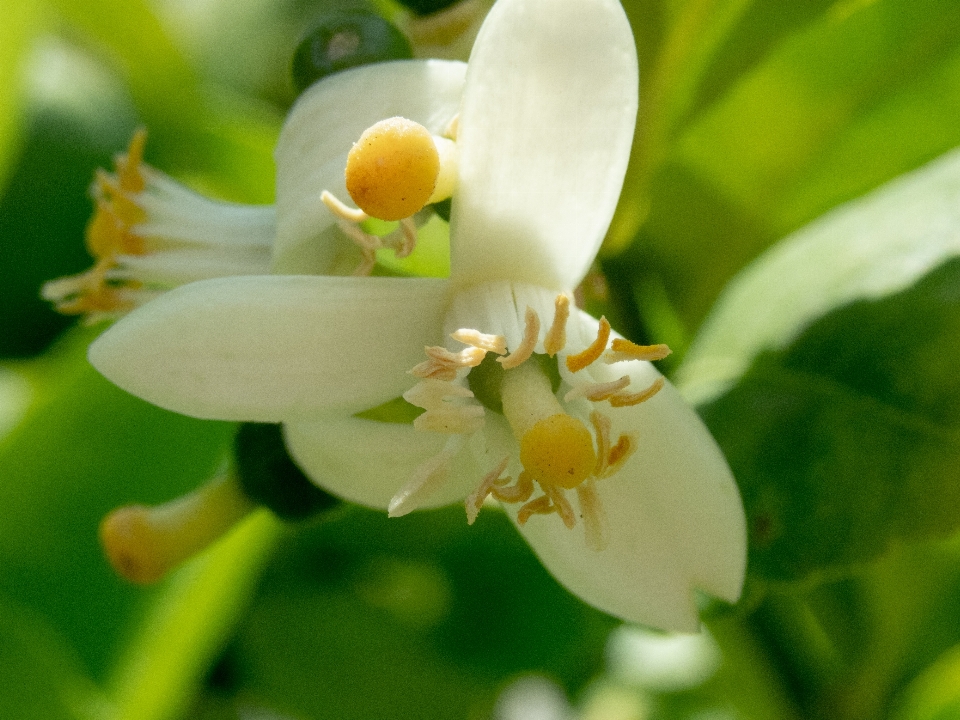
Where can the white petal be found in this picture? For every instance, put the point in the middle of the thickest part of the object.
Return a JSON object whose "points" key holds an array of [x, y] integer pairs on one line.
{"points": [[274, 348], [545, 133], [500, 308], [676, 521], [367, 462], [325, 122]]}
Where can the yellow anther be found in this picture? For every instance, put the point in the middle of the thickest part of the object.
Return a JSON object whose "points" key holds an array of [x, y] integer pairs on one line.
{"points": [[556, 337], [524, 350], [558, 451], [392, 169], [578, 362], [628, 399], [621, 349], [129, 175]]}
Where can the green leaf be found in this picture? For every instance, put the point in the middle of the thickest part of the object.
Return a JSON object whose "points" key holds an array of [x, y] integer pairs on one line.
{"points": [[40, 677], [363, 616], [847, 443], [872, 247], [17, 32], [864, 94], [188, 624], [83, 448]]}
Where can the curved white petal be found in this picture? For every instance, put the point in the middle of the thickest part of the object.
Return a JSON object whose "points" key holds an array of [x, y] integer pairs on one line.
{"points": [[675, 519], [274, 348], [500, 308], [367, 462], [544, 137], [322, 127]]}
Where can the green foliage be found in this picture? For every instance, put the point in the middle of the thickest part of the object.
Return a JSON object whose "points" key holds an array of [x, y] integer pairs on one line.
{"points": [[837, 401], [847, 442]]}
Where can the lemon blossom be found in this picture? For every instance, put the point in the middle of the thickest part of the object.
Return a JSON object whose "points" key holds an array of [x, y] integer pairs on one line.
{"points": [[609, 475], [149, 233]]}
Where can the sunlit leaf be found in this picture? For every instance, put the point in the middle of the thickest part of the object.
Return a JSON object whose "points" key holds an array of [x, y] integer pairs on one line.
{"points": [[864, 94], [868, 248]]}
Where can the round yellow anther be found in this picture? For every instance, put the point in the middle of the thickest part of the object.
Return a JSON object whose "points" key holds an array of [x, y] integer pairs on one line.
{"points": [[558, 450], [392, 169]]}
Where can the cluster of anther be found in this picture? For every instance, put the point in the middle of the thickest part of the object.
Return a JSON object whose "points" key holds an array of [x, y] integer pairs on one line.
{"points": [[557, 451], [110, 234], [393, 171]]}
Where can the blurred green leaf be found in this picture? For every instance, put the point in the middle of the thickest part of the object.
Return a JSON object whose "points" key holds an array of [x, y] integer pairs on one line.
{"points": [[163, 667], [874, 246], [21, 21], [848, 442], [84, 448], [362, 616], [867, 92], [39, 674]]}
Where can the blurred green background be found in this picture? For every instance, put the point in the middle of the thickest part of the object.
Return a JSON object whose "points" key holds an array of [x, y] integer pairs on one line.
{"points": [[757, 117]]}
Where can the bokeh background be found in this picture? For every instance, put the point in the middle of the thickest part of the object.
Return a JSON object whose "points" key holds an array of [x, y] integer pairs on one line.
{"points": [[757, 117]]}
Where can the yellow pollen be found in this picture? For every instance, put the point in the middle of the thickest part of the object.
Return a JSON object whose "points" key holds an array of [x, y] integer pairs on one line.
{"points": [[392, 169], [558, 451]]}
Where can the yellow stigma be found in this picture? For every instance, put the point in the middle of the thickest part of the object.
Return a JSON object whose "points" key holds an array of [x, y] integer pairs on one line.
{"points": [[558, 451], [392, 169]]}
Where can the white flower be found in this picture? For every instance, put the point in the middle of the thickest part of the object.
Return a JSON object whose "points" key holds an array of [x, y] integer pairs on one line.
{"points": [[149, 234], [619, 488]]}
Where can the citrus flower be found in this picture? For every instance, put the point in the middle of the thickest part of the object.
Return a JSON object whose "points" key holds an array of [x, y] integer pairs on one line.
{"points": [[149, 233], [610, 476]]}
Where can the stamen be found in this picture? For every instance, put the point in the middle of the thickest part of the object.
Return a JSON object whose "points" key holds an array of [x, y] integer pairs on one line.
{"points": [[578, 362], [475, 500], [452, 127], [621, 350], [341, 209], [628, 399], [538, 506], [601, 427], [442, 364], [426, 480], [560, 502], [594, 517], [520, 492], [129, 175], [524, 350], [618, 455], [556, 337], [144, 543], [474, 338], [430, 393], [595, 392], [409, 228]]}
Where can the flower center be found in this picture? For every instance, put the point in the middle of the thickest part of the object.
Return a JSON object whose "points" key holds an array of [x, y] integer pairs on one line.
{"points": [[555, 448], [393, 169], [558, 450]]}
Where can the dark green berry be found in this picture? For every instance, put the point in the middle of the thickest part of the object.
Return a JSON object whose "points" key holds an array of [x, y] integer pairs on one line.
{"points": [[269, 476], [342, 40], [442, 209], [426, 7]]}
